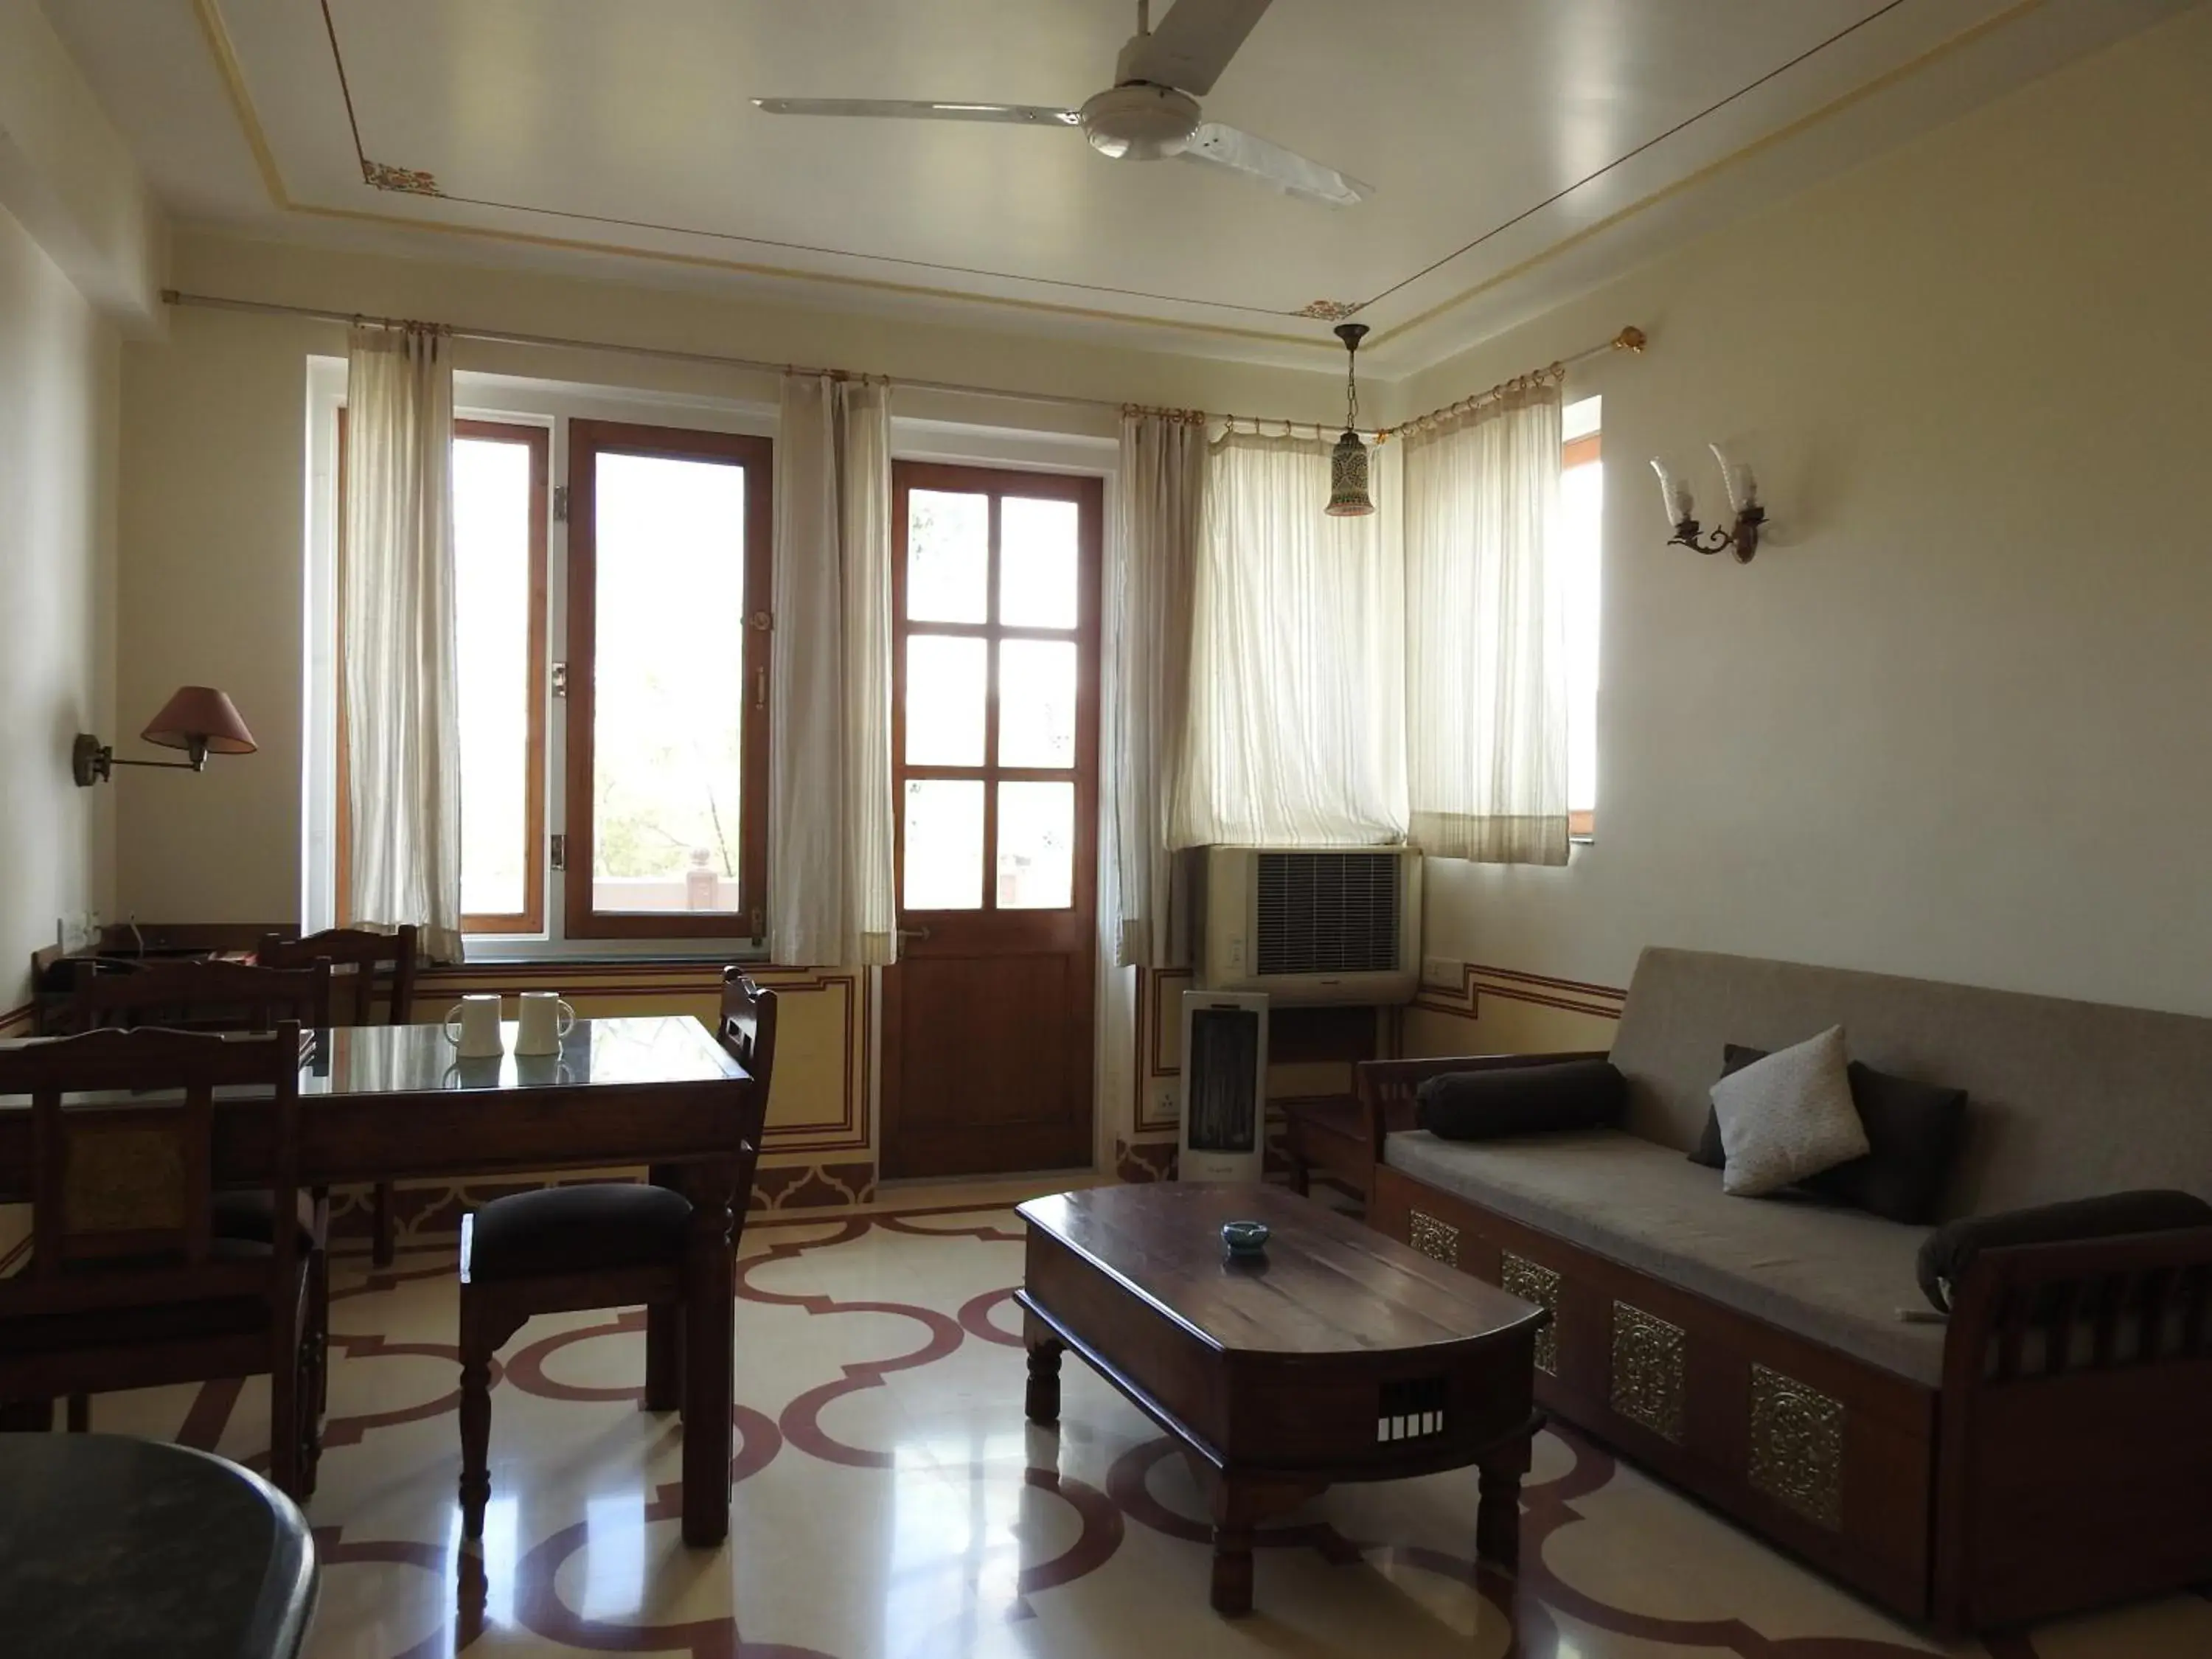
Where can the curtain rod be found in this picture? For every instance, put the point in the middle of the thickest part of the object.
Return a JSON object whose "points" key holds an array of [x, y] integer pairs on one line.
{"points": [[1629, 339]]}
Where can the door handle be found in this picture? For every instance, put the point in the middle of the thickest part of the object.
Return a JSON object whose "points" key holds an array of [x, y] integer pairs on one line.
{"points": [[914, 932]]}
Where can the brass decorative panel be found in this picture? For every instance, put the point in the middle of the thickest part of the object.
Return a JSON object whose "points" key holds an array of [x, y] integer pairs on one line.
{"points": [[1797, 1446], [1433, 1238], [1533, 1282], [1647, 1371]]}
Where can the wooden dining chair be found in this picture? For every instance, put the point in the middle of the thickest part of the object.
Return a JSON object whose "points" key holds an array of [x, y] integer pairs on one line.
{"points": [[597, 1244], [128, 1285], [368, 968], [216, 995]]}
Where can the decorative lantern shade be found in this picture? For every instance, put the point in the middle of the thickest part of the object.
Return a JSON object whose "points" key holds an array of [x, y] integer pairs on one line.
{"points": [[201, 720], [1349, 496]]}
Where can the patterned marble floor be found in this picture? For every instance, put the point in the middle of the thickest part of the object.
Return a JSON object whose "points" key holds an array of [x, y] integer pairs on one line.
{"points": [[890, 1501]]}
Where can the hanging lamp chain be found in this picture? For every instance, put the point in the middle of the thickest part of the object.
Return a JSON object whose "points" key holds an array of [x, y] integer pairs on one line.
{"points": [[1352, 334]]}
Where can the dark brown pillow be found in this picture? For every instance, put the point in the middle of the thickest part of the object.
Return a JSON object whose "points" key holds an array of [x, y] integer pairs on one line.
{"points": [[1522, 1100], [1913, 1131], [1945, 1253]]}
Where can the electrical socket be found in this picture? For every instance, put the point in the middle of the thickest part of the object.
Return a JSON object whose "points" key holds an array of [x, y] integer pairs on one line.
{"points": [[1443, 972]]}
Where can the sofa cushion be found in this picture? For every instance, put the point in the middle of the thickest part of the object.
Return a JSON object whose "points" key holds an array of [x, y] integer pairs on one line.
{"points": [[1520, 1100], [1833, 1276], [1945, 1253], [1789, 1116], [1912, 1129]]}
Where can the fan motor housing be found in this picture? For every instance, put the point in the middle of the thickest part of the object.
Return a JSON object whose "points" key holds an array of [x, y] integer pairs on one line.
{"points": [[1139, 122]]}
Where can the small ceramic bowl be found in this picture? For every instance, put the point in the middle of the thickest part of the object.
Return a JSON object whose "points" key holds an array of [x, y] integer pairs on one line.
{"points": [[1244, 1238]]}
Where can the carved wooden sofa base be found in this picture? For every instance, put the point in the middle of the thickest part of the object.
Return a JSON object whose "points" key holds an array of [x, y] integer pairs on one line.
{"points": [[2060, 1465]]}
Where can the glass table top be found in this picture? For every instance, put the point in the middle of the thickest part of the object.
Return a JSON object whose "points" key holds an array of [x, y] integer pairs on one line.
{"points": [[373, 1060]]}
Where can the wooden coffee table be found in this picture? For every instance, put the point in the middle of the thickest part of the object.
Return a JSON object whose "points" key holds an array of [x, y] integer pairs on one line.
{"points": [[1342, 1356]]}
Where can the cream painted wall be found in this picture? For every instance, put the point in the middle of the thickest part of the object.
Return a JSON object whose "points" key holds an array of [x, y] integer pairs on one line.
{"points": [[1953, 722], [58, 378], [214, 477]]}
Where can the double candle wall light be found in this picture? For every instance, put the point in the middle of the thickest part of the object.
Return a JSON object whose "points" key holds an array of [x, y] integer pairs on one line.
{"points": [[1681, 507]]}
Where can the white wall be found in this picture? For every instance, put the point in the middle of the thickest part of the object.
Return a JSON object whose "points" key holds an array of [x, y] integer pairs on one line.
{"points": [[214, 482], [58, 374], [1954, 720]]}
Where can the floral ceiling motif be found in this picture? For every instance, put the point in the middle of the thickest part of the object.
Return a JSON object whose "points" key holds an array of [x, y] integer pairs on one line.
{"points": [[408, 181]]}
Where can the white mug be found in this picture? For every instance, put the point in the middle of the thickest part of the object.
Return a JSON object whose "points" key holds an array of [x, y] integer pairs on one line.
{"points": [[543, 1019], [472, 1024]]}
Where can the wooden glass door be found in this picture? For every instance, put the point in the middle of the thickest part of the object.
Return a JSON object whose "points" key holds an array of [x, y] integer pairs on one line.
{"points": [[987, 1018]]}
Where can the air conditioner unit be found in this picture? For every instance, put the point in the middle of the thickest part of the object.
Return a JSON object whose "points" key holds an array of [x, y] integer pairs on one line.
{"points": [[1311, 925]]}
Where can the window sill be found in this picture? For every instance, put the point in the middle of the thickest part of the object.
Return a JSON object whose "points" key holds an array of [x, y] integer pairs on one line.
{"points": [[498, 952]]}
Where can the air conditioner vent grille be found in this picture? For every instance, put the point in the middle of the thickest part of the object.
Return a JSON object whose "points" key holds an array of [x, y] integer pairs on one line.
{"points": [[1328, 913]]}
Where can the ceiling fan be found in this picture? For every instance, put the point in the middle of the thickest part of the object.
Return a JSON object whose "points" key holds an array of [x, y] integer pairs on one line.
{"points": [[1150, 112]]}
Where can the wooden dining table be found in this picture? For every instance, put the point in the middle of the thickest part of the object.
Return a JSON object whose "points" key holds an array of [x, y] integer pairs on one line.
{"points": [[394, 1102]]}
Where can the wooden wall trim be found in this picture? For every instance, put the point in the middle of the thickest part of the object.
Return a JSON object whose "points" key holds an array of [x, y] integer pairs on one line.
{"points": [[1480, 980]]}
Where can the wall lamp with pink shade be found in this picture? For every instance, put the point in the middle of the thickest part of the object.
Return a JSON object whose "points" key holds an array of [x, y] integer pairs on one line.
{"points": [[199, 719]]}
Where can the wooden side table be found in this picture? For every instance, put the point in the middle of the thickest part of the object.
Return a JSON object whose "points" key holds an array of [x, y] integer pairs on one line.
{"points": [[1326, 1135]]}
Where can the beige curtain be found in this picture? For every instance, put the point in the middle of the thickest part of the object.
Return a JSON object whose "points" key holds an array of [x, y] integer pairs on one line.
{"points": [[1298, 718], [402, 699], [832, 900], [1149, 599], [1485, 634]]}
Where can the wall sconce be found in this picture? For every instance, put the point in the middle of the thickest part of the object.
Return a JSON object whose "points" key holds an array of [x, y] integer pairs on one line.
{"points": [[1682, 509], [199, 719]]}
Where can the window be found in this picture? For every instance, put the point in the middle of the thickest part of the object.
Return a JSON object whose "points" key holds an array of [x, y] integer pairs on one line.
{"points": [[669, 534], [1582, 547], [499, 490], [991, 730], [613, 677]]}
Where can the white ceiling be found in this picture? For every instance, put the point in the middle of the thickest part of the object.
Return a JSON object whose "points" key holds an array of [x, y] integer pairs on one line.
{"points": [[1522, 149]]}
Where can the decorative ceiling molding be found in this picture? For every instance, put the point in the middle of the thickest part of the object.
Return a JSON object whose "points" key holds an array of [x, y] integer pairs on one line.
{"points": [[384, 177], [407, 181]]}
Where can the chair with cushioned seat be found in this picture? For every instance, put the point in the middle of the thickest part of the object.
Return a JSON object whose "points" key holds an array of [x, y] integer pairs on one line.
{"points": [[358, 958], [128, 1286], [597, 1244], [213, 995]]}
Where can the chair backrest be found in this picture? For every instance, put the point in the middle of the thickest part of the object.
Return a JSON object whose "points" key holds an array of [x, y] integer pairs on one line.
{"points": [[357, 955], [210, 995], [747, 1028], [122, 1183]]}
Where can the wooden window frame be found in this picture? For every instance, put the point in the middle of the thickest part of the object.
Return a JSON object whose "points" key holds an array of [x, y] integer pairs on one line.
{"points": [[589, 439], [538, 440], [1088, 495]]}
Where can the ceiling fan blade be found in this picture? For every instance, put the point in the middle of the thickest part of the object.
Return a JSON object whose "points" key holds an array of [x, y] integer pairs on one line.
{"points": [[1192, 44], [1286, 170], [914, 109]]}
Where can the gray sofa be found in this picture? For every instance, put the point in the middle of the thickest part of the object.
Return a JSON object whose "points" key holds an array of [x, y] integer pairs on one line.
{"points": [[1753, 1349]]}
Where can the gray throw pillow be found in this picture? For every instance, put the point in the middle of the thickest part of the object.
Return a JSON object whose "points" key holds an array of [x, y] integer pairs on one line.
{"points": [[1912, 1133], [1788, 1116]]}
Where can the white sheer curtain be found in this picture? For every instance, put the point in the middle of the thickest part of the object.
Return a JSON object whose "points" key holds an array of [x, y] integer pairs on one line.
{"points": [[831, 899], [1150, 591], [1485, 636], [1297, 729], [402, 698]]}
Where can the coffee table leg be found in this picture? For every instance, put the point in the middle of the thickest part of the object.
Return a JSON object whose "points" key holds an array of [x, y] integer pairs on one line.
{"points": [[1042, 1402], [1497, 1510], [1232, 1549]]}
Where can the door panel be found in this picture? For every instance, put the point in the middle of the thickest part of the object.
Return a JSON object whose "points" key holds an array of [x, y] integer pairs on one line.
{"points": [[988, 1027]]}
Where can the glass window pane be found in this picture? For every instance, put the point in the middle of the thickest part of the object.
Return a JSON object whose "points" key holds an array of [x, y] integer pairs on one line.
{"points": [[946, 679], [1036, 702], [1582, 547], [667, 732], [492, 601], [1037, 562], [1036, 846], [948, 556], [944, 845]]}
